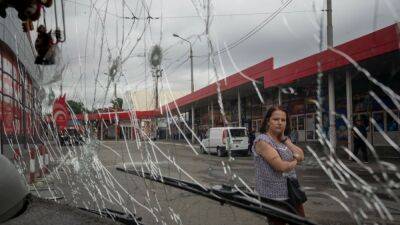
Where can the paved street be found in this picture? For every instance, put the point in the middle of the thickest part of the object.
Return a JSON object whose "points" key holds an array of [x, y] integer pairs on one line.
{"points": [[176, 206]]}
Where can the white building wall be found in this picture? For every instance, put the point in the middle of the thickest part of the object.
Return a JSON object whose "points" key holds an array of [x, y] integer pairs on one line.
{"points": [[142, 100]]}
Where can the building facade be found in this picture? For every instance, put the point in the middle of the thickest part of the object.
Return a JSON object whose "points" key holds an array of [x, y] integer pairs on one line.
{"points": [[356, 66], [20, 112]]}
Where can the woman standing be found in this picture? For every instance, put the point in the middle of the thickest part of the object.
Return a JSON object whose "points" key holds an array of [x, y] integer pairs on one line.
{"points": [[276, 158]]}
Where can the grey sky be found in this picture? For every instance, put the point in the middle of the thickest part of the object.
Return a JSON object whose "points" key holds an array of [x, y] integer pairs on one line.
{"points": [[289, 36]]}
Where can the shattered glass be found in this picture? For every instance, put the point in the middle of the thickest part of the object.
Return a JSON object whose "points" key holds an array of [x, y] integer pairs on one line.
{"points": [[97, 165]]}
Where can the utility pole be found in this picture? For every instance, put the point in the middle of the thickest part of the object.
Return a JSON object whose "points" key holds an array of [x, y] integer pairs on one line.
{"points": [[191, 85], [331, 80], [191, 68], [155, 61], [61, 88], [156, 74], [191, 78], [115, 104], [115, 90]]}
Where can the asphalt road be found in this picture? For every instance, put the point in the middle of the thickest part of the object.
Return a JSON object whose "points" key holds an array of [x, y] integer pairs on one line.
{"points": [[161, 204]]}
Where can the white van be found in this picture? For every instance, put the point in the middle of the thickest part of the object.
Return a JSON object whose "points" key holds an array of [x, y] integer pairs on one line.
{"points": [[221, 140]]}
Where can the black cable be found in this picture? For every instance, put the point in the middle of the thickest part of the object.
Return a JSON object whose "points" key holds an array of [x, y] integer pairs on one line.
{"points": [[255, 29], [134, 17], [236, 14]]}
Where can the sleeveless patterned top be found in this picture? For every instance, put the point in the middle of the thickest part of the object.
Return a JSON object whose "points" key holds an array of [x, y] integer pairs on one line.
{"points": [[269, 182]]}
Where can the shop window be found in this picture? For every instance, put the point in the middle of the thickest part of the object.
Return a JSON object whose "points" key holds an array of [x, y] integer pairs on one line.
{"points": [[7, 66], [310, 135], [297, 108], [26, 84], [257, 110], [17, 91], [7, 85], [17, 126], [301, 123], [378, 117], [364, 117], [20, 93], [360, 103], [16, 73], [29, 85], [29, 101], [391, 124], [310, 126], [256, 125], [8, 115], [341, 129], [293, 122], [15, 108], [311, 108]]}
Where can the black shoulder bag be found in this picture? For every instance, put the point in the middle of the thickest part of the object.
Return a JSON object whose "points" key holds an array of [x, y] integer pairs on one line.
{"points": [[295, 194]]}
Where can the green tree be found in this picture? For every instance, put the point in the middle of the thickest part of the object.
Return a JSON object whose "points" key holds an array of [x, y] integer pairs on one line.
{"points": [[77, 107], [117, 103]]}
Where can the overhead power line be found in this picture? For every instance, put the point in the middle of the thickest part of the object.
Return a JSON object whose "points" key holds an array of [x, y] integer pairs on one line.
{"points": [[192, 16], [237, 14], [255, 29]]}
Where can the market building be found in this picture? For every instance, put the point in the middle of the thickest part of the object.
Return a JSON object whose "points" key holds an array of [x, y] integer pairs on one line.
{"points": [[20, 112], [248, 94]]}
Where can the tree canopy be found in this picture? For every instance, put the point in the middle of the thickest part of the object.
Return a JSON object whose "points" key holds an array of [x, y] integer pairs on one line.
{"points": [[117, 103], [77, 107]]}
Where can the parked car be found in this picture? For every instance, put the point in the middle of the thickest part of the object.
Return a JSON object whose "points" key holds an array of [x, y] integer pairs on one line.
{"points": [[73, 134], [222, 140]]}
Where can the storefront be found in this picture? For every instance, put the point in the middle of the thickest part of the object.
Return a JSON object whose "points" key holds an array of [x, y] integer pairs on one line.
{"points": [[295, 86], [20, 110]]}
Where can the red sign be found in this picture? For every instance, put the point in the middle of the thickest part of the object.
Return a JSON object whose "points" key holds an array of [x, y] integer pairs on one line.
{"points": [[60, 112]]}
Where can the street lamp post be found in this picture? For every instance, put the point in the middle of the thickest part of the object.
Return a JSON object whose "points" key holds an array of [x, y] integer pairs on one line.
{"points": [[331, 79], [191, 77]]}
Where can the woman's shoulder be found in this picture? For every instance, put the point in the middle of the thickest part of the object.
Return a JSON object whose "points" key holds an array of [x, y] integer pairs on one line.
{"points": [[264, 137], [261, 135]]}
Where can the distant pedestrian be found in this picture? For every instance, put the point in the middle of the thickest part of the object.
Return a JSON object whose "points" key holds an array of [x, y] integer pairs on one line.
{"points": [[276, 158], [359, 144], [252, 137]]}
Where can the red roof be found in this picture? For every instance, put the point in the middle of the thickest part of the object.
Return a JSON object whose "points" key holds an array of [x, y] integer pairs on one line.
{"points": [[370, 45], [255, 72]]}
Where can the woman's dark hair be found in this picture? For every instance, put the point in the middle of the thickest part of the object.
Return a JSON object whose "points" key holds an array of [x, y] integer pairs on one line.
{"points": [[268, 115]]}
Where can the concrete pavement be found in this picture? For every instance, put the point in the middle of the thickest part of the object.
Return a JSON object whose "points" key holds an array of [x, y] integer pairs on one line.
{"points": [[325, 205]]}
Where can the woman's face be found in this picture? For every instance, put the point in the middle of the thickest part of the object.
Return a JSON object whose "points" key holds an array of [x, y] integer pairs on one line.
{"points": [[277, 122]]}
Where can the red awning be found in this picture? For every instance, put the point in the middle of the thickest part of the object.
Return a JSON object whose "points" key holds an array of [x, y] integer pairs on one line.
{"points": [[373, 44], [255, 72]]}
